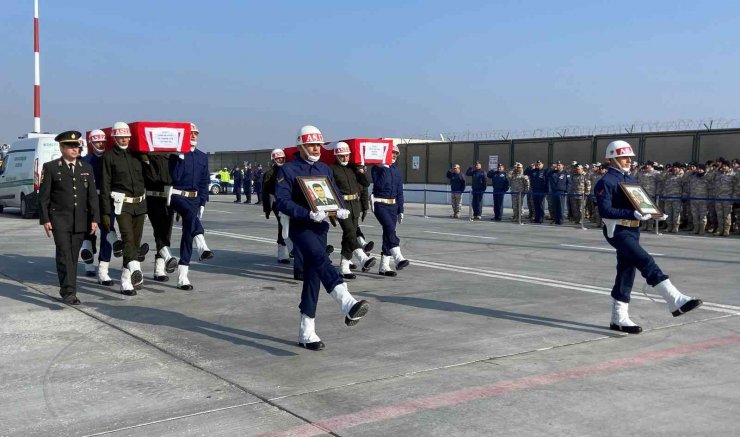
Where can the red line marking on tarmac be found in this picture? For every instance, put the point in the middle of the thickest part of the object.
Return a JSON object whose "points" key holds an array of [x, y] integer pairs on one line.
{"points": [[378, 414]]}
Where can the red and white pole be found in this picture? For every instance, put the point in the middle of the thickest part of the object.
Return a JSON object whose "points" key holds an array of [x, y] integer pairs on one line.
{"points": [[37, 71]]}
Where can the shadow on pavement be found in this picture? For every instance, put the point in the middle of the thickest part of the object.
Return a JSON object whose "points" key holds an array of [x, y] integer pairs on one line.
{"points": [[29, 295]]}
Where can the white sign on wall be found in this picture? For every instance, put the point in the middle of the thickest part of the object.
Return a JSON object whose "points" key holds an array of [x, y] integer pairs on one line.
{"points": [[415, 162], [492, 162]]}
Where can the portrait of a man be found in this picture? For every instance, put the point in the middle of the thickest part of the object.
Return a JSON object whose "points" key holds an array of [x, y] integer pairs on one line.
{"points": [[323, 198]]}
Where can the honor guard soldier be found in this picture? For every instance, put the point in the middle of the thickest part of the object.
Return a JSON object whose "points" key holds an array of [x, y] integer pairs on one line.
{"points": [[270, 206], [479, 187], [622, 232], [189, 195], [237, 174], [247, 182], [500, 183], [109, 242], [347, 177], [308, 231], [387, 202], [558, 185], [68, 204], [157, 180], [123, 193], [538, 185], [259, 174]]}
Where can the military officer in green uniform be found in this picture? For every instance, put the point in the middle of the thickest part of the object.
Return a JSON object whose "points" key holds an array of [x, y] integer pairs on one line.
{"points": [[68, 204], [123, 192]]}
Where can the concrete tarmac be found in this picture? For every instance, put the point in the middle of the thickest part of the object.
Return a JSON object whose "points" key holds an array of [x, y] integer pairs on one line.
{"points": [[495, 328]]}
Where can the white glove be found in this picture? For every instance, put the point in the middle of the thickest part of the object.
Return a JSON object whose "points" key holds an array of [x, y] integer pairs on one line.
{"points": [[342, 214], [317, 216], [200, 213], [400, 218], [663, 218], [641, 217]]}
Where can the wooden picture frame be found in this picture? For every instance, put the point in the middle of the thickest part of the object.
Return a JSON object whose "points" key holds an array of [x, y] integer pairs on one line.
{"points": [[640, 199], [320, 194]]}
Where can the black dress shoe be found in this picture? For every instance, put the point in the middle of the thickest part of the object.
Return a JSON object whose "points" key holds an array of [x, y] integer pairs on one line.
{"points": [[86, 256], [357, 312], [688, 306], [185, 287], [315, 346], [402, 264], [369, 263], [627, 329], [90, 274], [349, 276], [71, 299], [237, 201], [368, 246], [106, 283], [389, 273], [298, 277], [291, 254], [283, 261], [207, 254], [137, 278], [117, 248], [171, 265], [128, 292], [329, 249], [163, 278], [247, 202], [143, 250], [352, 266]]}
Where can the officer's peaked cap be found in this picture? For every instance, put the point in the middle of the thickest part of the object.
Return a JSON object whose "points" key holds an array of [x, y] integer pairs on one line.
{"points": [[70, 137]]}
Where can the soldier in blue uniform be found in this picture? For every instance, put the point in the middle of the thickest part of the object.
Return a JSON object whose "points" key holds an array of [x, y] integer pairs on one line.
{"points": [[237, 174], [387, 202], [558, 183], [622, 232], [190, 178], [308, 231], [500, 184], [259, 175], [479, 187], [538, 185], [247, 181]]}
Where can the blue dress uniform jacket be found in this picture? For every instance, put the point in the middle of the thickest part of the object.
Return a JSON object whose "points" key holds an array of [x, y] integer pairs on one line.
{"points": [[457, 181], [189, 173], [538, 185], [479, 187], [499, 181], [613, 204], [308, 236], [558, 184], [105, 247], [387, 184]]}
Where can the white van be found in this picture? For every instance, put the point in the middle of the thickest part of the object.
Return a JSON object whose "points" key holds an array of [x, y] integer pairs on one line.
{"points": [[20, 172]]}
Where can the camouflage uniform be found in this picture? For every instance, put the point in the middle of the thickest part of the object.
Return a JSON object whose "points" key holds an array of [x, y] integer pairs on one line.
{"points": [[673, 185], [688, 217], [724, 188], [519, 188], [711, 176], [649, 182], [699, 188], [580, 184]]}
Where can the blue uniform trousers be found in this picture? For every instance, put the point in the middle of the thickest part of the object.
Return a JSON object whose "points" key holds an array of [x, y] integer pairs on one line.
{"points": [[387, 216], [477, 203], [498, 205], [539, 207], [106, 250], [310, 240], [558, 205], [631, 256], [248, 190], [188, 210], [238, 190]]}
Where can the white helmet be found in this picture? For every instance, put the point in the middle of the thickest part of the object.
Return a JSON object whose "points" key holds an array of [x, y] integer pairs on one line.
{"points": [[97, 136], [309, 135], [120, 129], [341, 148], [277, 153], [619, 148], [194, 128]]}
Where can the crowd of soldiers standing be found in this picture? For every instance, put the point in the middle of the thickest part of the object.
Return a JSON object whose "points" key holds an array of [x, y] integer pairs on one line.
{"points": [[702, 198]]}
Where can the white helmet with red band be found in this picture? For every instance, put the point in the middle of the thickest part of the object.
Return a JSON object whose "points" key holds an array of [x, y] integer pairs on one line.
{"points": [[97, 135], [120, 129], [309, 135], [619, 148], [193, 128], [277, 153], [341, 148]]}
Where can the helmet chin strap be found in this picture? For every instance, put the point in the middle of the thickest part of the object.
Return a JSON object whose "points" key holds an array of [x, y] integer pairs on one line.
{"points": [[310, 157]]}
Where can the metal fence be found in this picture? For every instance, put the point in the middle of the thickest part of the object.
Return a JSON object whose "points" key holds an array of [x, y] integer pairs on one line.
{"points": [[427, 163]]}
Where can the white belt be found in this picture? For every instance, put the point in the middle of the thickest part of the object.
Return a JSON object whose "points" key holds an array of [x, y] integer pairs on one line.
{"points": [[386, 201], [351, 196], [188, 194]]}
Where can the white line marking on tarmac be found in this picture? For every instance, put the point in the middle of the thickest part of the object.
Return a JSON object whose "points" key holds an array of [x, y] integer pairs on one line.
{"points": [[460, 235], [722, 308], [608, 249], [730, 309], [218, 210]]}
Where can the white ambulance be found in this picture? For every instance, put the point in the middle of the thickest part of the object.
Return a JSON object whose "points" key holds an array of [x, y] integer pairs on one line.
{"points": [[20, 172]]}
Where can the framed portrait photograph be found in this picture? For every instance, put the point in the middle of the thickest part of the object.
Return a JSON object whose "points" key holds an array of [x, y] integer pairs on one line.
{"points": [[640, 199], [320, 193]]}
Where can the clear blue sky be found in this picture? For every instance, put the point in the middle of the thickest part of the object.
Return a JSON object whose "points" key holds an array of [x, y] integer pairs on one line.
{"points": [[250, 73]]}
